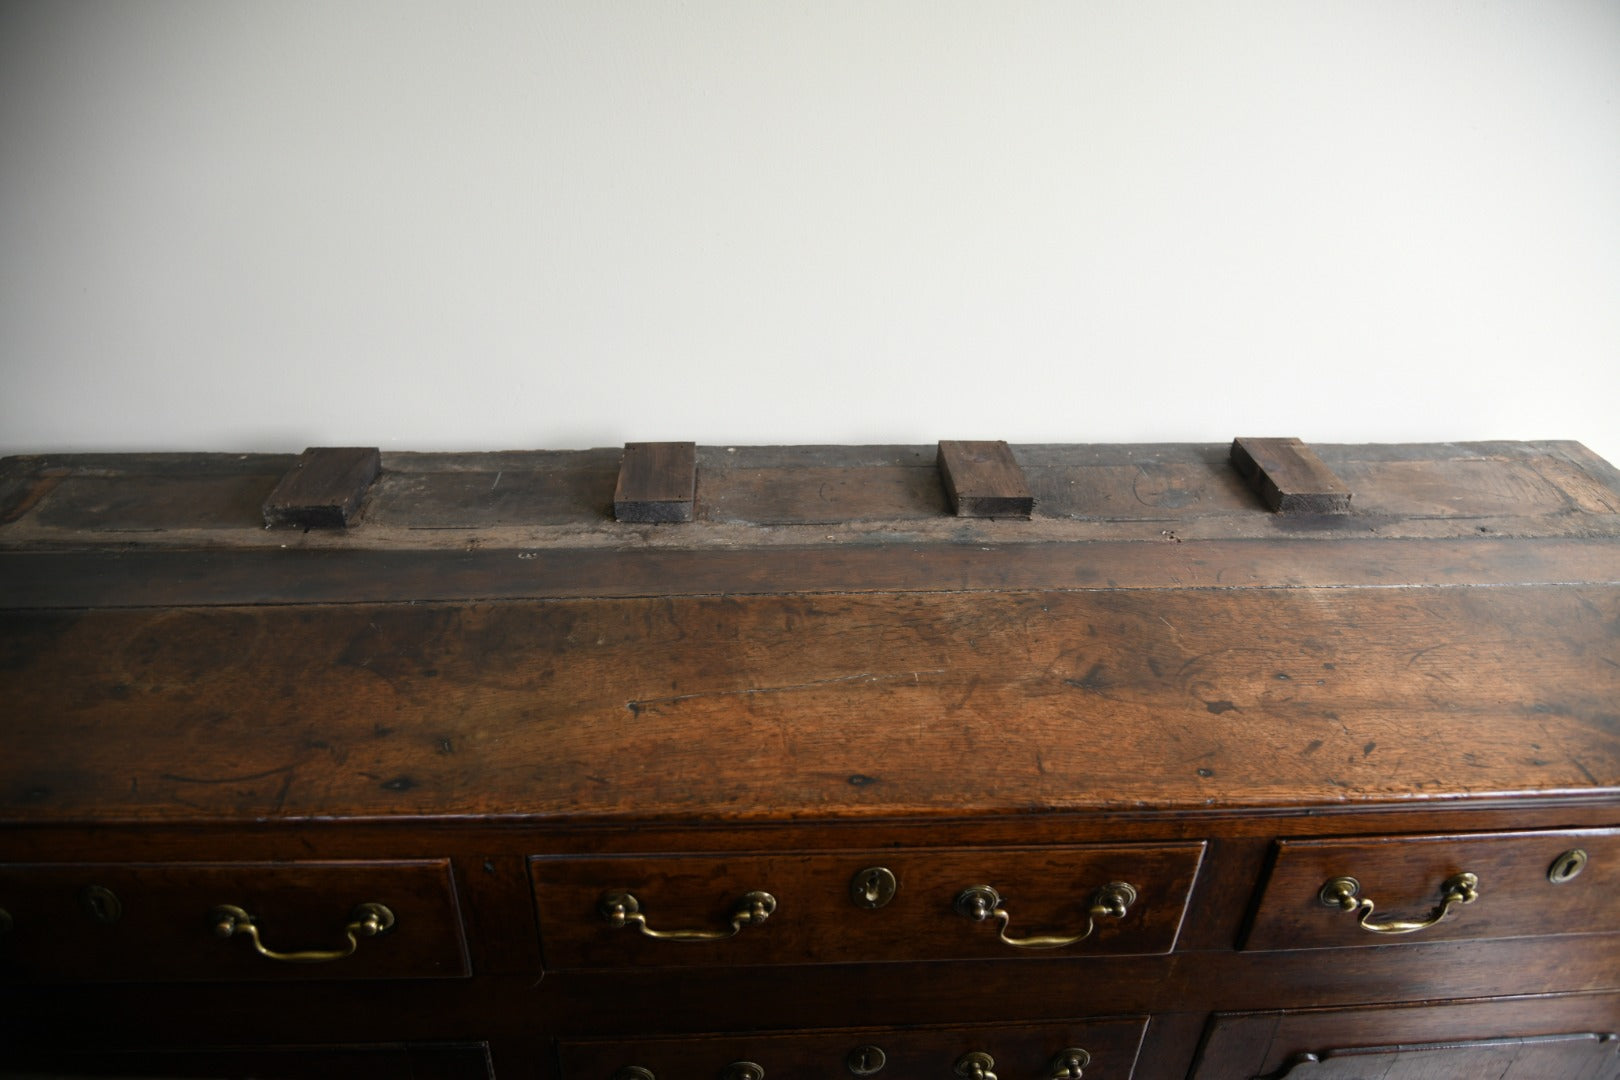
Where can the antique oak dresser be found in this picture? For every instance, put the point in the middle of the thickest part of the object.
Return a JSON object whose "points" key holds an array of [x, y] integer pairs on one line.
{"points": [[663, 762]]}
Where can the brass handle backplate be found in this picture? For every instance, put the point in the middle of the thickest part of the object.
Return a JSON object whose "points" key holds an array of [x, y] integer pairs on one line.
{"points": [[981, 902], [623, 909], [1070, 1064], [743, 1070], [976, 1065], [368, 920], [634, 1072], [1344, 894]]}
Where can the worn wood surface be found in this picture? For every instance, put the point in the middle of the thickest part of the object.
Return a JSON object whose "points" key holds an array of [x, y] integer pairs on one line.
{"points": [[1290, 477], [1152, 678], [657, 482], [563, 500], [748, 708], [324, 487]]}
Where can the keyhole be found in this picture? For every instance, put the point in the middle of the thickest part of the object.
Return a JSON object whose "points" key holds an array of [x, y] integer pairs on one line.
{"points": [[1567, 866], [873, 887], [101, 904], [866, 1060]]}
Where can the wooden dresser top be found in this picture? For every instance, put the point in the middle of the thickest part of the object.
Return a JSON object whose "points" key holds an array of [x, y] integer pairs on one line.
{"points": [[823, 641]]}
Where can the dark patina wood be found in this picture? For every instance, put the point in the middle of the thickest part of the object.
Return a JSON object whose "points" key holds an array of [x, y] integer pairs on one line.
{"points": [[982, 479], [1290, 477], [324, 487], [657, 482], [488, 702]]}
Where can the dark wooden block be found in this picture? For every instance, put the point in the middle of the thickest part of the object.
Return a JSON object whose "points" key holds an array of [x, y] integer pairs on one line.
{"points": [[324, 487], [982, 479], [657, 482], [1290, 477]]}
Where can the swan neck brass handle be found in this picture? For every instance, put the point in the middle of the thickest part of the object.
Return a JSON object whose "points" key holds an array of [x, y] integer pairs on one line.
{"points": [[976, 1065], [1344, 893], [367, 920], [981, 902], [623, 909]]}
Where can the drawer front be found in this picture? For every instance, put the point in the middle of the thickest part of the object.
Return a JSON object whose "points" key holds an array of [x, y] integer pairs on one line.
{"points": [[700, 910], [179, 921], [1391, 890], [421, 1061], [1098, 1049]]}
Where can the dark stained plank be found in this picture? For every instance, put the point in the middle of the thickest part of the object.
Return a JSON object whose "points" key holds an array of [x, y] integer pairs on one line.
{"points": [[983, 479], [158, 576], [324, 487], [1290, 477], [657, 482], [423, 492], [732, 708]]}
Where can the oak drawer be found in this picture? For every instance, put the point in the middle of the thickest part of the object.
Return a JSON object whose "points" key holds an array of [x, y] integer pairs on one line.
{"points": [[1524, 884], [1100, 1049], [874, 906], [119, 921]]}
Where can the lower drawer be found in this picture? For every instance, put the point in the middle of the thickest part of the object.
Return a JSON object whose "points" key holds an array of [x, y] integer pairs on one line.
{"points": [[1100, 1049], [236, 921]]}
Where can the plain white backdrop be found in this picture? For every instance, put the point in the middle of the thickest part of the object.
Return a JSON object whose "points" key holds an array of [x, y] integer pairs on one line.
{"points": [[240, 225]]}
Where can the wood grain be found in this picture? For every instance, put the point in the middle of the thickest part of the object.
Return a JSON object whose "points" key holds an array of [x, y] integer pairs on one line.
{"points": [[739, 707]]}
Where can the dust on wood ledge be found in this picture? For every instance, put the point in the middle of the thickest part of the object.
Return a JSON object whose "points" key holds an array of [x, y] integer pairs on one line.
{"points": [[805, 496]]}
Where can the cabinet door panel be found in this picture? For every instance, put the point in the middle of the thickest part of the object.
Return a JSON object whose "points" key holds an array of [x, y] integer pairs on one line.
{"points": [[1554, 1037]]}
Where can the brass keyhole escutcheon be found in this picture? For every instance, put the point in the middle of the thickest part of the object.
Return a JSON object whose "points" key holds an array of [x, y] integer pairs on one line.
{"points": [[873, 887], [866, 1060], [101, 904], [1567, 867]]}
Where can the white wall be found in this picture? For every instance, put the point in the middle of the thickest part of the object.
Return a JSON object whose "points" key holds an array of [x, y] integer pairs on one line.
{"points": [[240, 224]]}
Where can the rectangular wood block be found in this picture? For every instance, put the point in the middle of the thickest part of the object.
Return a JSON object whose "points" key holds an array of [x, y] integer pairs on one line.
{"points": [[657, 482], [1290, 477], [324, 487], [982, 479]]}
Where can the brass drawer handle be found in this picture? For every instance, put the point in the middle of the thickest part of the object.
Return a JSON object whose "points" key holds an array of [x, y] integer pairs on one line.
{"points": [[623, 909], [981, 902], [368, 920], [976, 1064], [1070, 1064], [1342, 893]]}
